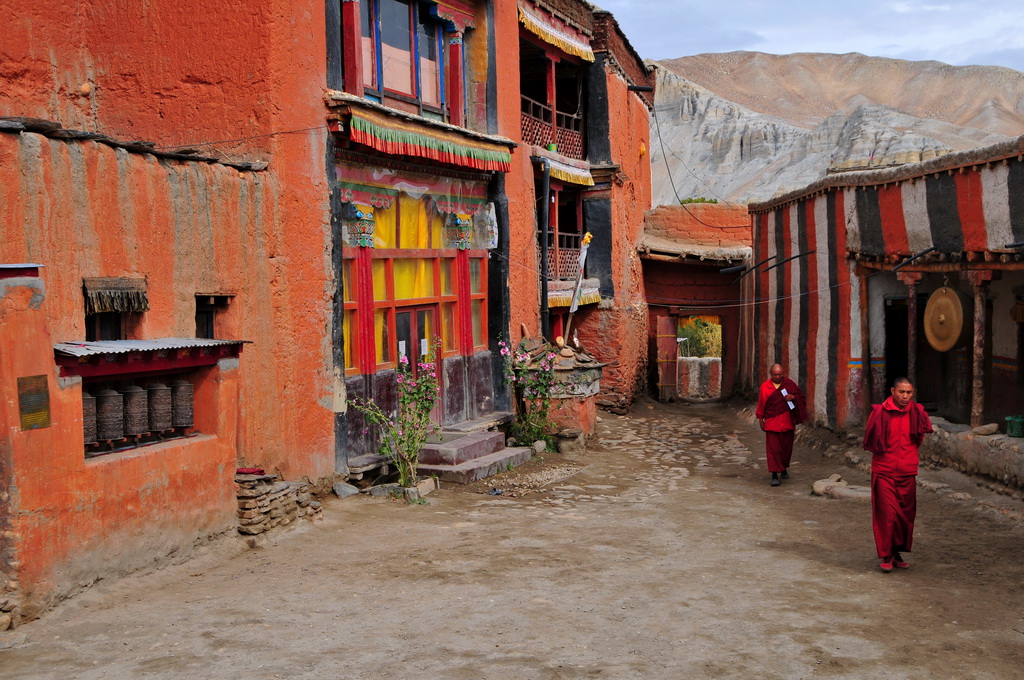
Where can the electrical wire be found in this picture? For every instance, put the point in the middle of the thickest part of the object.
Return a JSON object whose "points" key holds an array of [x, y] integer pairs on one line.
{"points": [[668, 171]]}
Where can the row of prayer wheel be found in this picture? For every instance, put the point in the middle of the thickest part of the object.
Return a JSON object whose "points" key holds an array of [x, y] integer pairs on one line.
{"points": [[110, 414]]}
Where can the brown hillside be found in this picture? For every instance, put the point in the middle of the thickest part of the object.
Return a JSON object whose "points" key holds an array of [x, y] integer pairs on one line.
{"points": [[804, 89]]}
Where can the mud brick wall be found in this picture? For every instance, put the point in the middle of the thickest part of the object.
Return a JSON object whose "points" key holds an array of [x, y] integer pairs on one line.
{"points": [[264, 503]]}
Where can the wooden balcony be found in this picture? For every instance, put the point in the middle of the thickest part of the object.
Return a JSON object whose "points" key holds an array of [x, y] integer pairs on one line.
{"points": [[538, 130]]}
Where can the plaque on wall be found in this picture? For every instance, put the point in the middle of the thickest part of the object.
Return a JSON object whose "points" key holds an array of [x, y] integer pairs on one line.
{"points": [[34, 402]]}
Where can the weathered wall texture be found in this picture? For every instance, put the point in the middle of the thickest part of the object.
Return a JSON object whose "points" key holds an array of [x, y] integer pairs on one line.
{"points": [[84, 209], [617, 331], [74, 520]]}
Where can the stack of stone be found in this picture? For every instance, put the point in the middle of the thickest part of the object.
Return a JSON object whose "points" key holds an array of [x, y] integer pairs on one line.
{"points": [[264, 502], [9, 612]]}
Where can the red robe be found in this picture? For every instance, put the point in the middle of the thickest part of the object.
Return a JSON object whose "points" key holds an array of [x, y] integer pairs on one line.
{"points": [[780, 420], [893, 437]]}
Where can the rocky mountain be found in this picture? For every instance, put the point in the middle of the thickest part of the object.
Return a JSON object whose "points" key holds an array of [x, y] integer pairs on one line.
{"points": [[746, 126]]}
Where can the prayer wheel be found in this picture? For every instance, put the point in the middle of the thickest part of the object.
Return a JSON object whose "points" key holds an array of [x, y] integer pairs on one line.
{"points": [[159, 407], [109, 415], [89, 417], [182, 396], [136, 410], [944, 320]]}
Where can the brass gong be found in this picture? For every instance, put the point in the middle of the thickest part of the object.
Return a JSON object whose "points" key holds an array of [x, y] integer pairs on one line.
{"points": [[944, 319]]}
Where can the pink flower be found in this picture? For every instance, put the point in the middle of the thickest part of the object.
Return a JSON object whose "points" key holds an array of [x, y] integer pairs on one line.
{"points": [[400, 380], [505, 351], [551, 355], [403, 359]]}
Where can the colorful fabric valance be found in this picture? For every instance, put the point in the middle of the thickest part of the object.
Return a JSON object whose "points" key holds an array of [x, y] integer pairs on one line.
{"points": [[391, 135], [379, 187], [568, 173], [554, 32]]}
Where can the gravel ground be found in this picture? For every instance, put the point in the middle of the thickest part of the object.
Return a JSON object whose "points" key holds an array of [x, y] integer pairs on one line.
{"points": [[660, 553]]}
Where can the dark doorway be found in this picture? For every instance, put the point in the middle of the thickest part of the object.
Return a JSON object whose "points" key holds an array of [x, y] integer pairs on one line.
{"points": [[895, 341]]}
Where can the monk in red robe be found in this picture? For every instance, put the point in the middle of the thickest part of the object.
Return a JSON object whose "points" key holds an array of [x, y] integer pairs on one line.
{"points": [[780, 408], [895, 430]]}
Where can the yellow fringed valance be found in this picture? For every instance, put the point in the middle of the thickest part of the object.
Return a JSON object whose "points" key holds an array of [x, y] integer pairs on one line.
{"points": [[554, 35], [568, 173]]}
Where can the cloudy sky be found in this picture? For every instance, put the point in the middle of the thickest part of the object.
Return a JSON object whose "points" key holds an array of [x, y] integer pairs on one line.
{"points": [[959, 32]]}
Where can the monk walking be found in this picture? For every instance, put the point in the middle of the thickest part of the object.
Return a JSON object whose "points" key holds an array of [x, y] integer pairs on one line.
{"points": [[895, 430], [780, 408]]}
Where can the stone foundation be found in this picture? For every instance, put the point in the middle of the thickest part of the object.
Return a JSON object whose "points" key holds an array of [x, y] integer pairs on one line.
{"points": [[265, 503]]}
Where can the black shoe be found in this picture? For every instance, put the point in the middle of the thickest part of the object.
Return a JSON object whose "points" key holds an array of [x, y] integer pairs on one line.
{"points": [[775, 480], [785, 474]]}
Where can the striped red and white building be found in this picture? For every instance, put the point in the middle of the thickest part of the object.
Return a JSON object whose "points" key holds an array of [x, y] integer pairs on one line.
{"points": [[836, 314]]}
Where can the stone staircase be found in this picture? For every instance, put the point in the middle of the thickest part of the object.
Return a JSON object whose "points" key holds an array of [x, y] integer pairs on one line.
{"points": [[466, 457]]}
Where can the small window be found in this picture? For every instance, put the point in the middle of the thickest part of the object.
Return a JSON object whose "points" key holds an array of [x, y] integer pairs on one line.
{"points": [[104, 326], [208, 308]]}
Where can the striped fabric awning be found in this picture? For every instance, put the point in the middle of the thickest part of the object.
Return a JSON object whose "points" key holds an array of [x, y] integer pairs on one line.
{"points": [[571, 174], [556, 33], [392, 135]]}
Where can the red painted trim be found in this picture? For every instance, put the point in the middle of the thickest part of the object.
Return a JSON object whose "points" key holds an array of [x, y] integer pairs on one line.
{"points": [[761, 369], [894, 226], [972, 213], [456, 87], [787, 301], [465, 310], [142, 362], [352, 48], [843, 281], [811, 349], [18, 272], [367, 344]]}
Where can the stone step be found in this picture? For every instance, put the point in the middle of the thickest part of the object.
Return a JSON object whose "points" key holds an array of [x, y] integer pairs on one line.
{"points": [[487, 422], [479, 468], [455, 448]]}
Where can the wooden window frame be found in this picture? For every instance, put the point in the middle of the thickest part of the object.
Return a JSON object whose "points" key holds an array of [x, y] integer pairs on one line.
{"points": [[378, 91]]}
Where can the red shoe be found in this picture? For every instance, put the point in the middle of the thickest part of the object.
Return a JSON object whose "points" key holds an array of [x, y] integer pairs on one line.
{"points": [[886, 565], [898, 562]]}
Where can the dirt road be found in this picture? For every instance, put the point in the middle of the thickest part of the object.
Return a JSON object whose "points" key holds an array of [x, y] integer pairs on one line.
{"points": [[666, 556]]}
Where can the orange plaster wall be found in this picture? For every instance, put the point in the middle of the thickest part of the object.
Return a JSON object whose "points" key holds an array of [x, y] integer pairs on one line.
{"points": [[75, 520], [85, 209], [616, 334], [184, 73]]}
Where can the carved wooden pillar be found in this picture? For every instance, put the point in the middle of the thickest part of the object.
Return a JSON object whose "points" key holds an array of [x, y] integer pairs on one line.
{"points": [[911, 279], [552, 96], [352, 47], [456, 84], [979, 282]]}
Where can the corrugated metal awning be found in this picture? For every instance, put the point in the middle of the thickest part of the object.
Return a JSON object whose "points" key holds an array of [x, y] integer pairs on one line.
{"points": [[98, 347]]}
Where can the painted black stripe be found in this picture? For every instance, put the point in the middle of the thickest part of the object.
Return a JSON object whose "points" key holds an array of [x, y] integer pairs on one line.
{"points": [[1015, 189], [341, 423], [780, 272], [833, 314], [943, 216], [804, 299], [869, 219]]}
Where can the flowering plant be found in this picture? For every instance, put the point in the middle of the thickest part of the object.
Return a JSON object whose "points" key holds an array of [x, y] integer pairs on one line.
{"points": [[405, 432], [531, 376]]}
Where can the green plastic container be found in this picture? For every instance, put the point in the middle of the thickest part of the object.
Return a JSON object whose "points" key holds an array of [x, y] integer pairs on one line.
{"points": [[1015, 426]]}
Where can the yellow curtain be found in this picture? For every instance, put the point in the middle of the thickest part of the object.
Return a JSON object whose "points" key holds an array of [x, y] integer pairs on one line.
{"points": [[415, 229], [414, 278], [380, 334], [384, 232], [351, 348]]}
